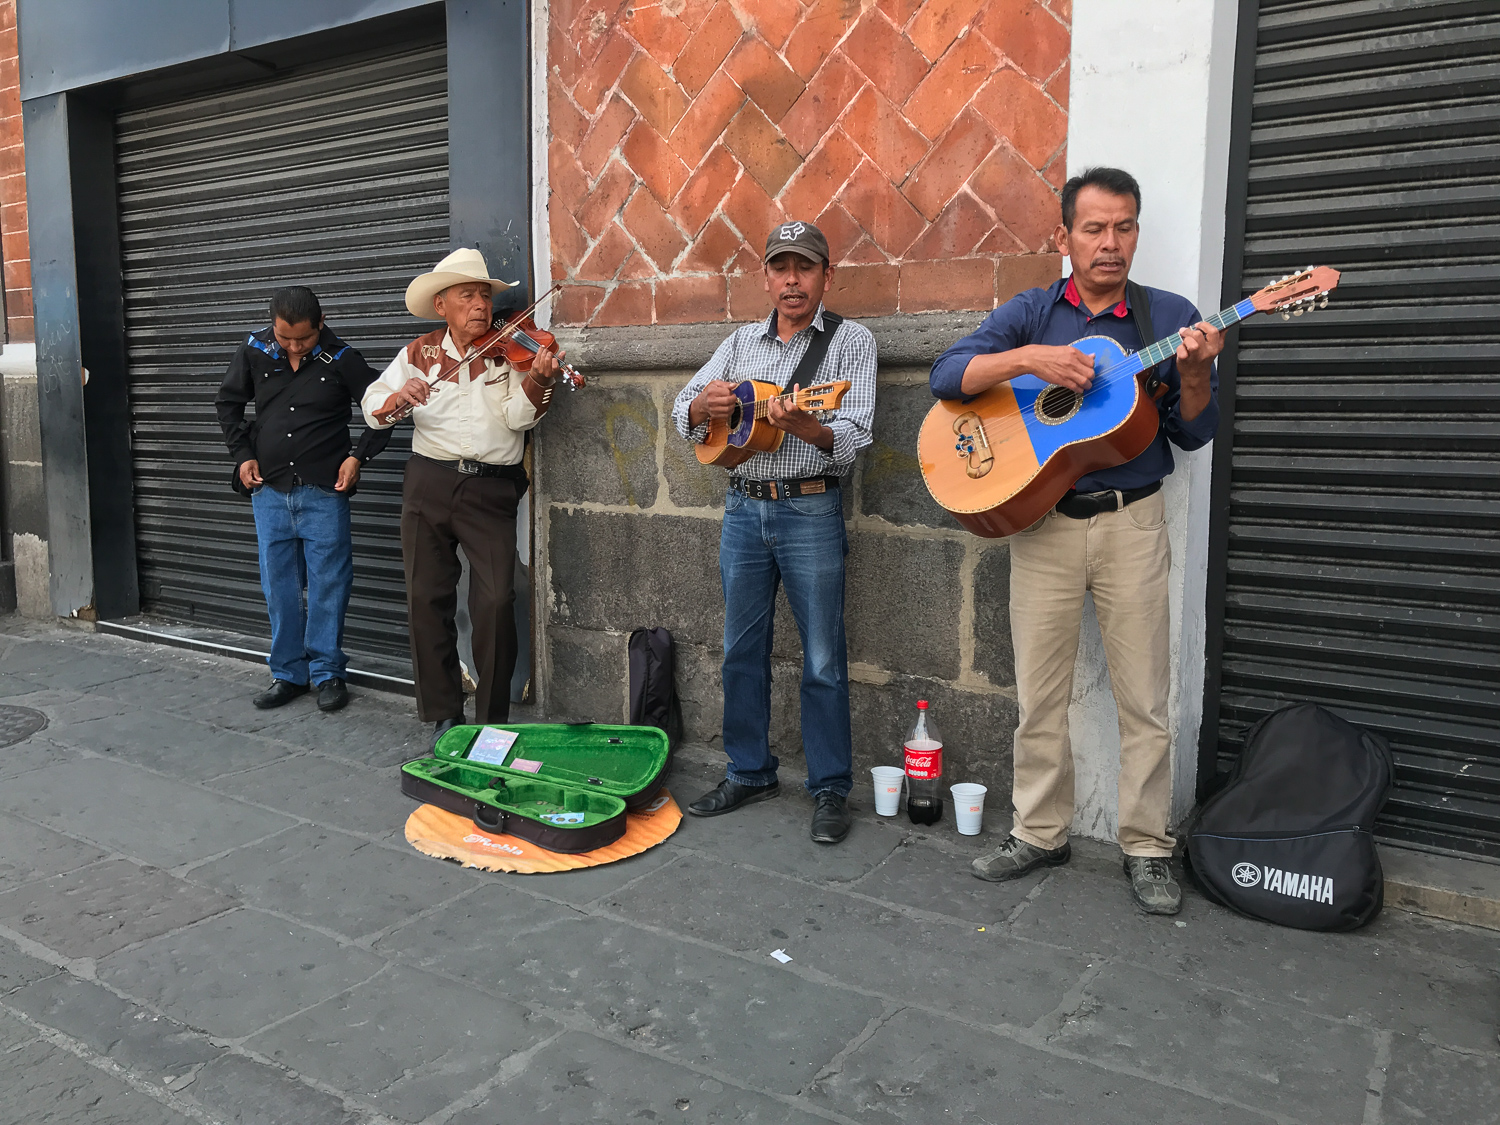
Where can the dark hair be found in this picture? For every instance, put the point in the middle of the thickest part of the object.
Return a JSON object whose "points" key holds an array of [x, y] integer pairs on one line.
{"points": [[1113, 180], [296, 304]]}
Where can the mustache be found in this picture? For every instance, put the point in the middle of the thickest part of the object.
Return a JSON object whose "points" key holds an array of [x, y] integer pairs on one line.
{"points": [[1107, 260]]}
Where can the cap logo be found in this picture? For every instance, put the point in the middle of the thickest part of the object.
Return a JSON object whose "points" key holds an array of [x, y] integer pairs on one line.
{"points": [[790, 232]]}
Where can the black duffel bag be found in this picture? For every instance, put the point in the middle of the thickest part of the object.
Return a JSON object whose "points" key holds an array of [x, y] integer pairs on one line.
{"points": [[1288, 838]]}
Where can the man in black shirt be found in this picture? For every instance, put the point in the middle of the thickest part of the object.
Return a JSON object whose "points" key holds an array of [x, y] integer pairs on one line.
{"points": [[294, 462]]}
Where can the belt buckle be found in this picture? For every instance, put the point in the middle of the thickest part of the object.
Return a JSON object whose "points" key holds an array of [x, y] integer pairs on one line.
{"points": [[467, 467], [771, 489]]}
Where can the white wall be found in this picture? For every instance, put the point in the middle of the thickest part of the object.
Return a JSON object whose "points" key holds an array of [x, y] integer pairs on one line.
{"points": [[1151, 86]]}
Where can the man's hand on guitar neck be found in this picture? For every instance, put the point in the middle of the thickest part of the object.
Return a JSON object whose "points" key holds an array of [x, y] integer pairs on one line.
{"points": [[799, 423], [715, 401], [1062, 366], [1195, 361]]}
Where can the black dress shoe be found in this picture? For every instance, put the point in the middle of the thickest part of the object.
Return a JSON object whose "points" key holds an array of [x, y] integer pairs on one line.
{"points": [[280, 693], [831, 819], [730, 795], [332, 694], [441, 728]]}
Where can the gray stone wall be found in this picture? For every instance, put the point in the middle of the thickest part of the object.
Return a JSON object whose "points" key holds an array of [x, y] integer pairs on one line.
{"points": [[627, 527]]}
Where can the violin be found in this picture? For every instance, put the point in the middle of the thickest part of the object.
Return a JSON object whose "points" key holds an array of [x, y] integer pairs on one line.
{"points": [[517, 339], [521, 341]]}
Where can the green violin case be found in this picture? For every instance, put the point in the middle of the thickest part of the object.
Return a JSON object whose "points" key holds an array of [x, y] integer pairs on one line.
{"points": [[565, 787]]}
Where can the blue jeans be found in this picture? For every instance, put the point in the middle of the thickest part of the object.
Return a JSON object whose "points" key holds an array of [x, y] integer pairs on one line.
{"points": [[800, 542], [305, 549]]}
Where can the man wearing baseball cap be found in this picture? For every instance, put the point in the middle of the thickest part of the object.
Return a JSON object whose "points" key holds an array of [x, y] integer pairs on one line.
{"points": [[784, 525], [463, 484]]}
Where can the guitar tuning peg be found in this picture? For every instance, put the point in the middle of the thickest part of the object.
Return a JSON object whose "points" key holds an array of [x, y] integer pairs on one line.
{"points": [[1299, 310], [1285, 315], [1323, 301]]}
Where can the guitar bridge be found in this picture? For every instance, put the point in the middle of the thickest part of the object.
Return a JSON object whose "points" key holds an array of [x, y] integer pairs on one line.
{"points": [[973, 444]]}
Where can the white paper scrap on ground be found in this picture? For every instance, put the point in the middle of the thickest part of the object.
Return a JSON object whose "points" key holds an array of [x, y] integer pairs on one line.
{"points": [[780, 955], [492, 745]]}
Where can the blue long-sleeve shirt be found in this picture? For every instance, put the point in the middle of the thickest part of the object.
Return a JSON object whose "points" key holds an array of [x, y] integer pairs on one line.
{"points": [[1056, 316]]}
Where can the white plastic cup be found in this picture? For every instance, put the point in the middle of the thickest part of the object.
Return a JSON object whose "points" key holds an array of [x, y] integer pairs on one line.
{"points": [[968, 807], [888, 781]]}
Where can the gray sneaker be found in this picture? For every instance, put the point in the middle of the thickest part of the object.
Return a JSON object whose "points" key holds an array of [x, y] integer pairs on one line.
{"points": [[1015, 858], [1156, 892]]}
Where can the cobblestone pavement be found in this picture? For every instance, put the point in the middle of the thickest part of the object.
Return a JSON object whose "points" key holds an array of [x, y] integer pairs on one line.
{"points": [[209, 913]]}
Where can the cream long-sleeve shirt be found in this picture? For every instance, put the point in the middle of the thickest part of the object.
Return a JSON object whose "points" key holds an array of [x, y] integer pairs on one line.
{"points": [[479, 418]]}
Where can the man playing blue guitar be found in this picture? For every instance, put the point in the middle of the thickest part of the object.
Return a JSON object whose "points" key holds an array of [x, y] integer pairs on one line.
{"points": [[1108, 536], [784, 524]]}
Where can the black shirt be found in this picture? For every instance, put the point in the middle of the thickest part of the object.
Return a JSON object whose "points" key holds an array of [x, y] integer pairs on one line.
{"points": [[301, 427]]}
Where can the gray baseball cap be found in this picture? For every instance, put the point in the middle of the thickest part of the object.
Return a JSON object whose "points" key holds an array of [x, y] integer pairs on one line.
{"points": [[800, 238]]}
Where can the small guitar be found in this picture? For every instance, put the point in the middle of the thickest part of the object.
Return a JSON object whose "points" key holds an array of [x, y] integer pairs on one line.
{"points": [[747, 431], [1000, 461]]}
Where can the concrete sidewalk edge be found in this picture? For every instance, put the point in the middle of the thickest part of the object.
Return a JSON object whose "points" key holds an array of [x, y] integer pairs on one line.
{"points": [[1442, 886]]}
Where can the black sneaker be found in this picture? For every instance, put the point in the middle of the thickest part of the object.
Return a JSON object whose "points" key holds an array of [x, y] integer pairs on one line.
{"points": [[332, 695], [279, 694], [1015, 858]]}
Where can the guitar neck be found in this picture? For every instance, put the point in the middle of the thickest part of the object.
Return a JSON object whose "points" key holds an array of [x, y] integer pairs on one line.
{"points": [[1164, 350], [763, 405]]}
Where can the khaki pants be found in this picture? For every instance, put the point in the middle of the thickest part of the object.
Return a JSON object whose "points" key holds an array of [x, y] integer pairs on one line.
{"points": [[1122, 557]]}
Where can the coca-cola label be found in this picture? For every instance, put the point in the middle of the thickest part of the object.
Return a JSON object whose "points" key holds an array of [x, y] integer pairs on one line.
{"points": [[924, 762]]}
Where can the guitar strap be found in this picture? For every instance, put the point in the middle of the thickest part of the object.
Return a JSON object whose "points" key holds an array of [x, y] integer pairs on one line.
{"points": [[807, 368], [1140, 312]]}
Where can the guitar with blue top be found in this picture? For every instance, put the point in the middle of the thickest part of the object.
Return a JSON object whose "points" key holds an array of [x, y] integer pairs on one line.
{"points": [[1004, 458]]}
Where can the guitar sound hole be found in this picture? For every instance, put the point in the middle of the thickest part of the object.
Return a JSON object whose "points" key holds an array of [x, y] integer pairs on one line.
{"points": [[1057, 404], [736, 417]]}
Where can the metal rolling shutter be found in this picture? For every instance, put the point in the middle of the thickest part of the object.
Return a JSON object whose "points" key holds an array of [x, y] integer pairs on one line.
{"points": [[1363, 541], [334, 176]]}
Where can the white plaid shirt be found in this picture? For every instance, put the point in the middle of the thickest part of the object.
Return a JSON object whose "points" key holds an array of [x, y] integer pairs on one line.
{"points": [[757, 352]]}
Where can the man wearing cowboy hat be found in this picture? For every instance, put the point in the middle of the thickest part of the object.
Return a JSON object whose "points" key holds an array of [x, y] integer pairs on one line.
{"points": [[462, 486]]}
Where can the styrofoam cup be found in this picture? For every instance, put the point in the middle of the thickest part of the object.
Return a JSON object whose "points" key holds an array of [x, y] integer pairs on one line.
{"points": [[968, 807], [888, 781]]}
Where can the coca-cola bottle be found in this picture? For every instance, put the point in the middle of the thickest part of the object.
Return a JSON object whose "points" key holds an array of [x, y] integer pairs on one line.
{"points": [[924, 769]]}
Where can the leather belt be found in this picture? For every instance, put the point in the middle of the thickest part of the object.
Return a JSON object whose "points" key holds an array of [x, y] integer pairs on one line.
{"points": [[481, 468], [1085, 505], [782, 489]]}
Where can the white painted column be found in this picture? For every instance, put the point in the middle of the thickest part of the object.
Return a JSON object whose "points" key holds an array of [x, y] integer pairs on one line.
{"points": [[1151, 91]]}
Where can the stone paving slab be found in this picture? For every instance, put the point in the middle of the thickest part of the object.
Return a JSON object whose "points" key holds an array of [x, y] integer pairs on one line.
{"points": [[1427, 1083], [405, 1042], [920, 1068], [98, 909], [980, 975], [1369, 976], [689, 1002], [353, 737], [17, 969], [115, 805], [234, 974], [1258, 1054], [153, 1046], [172, 744], [45, 1085], [584, 1080], [29, 851], [240, 1090], [921, 875], [366, 801], [335, 881], [37, 752]]}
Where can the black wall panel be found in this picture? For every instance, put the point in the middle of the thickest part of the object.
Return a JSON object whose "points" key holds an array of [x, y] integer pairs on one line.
{"points": [[1357, 558]]}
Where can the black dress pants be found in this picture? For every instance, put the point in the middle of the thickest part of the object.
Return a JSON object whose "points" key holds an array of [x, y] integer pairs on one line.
{"points": [[441, 510]]}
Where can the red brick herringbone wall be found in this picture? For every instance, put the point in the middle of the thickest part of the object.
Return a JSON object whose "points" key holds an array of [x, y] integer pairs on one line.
{"points": [[925, 137]]}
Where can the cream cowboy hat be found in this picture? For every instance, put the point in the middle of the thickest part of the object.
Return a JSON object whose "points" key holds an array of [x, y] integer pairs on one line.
{"points": [[458, 267]]}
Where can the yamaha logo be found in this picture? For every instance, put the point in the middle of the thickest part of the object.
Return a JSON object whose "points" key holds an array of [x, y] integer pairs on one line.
{"points": [[790, 232], [1246, 874]]}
